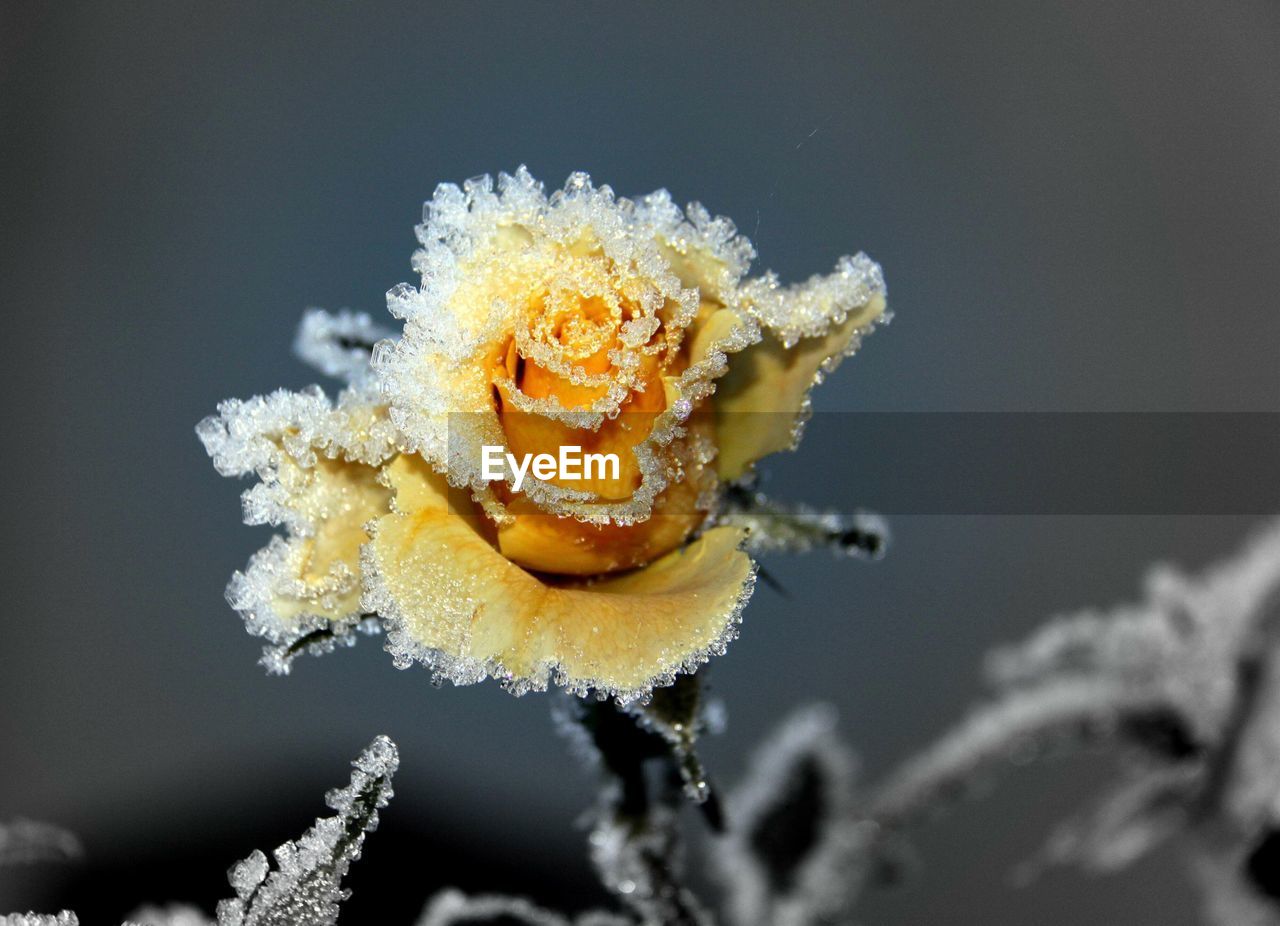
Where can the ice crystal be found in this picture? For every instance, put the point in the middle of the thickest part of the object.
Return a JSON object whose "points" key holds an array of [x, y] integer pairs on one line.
{"points": [[26, 841], [454, 908], [65, 918], [795, 852], [339, 345], [305, 887]]}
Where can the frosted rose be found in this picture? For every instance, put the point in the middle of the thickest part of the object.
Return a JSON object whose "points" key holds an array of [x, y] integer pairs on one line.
{"points": [[579, 319]]}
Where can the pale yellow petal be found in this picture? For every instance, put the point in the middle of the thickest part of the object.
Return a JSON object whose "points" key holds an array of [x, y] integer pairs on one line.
{"points": [[455, 603], [317, 463], [763, 400]]}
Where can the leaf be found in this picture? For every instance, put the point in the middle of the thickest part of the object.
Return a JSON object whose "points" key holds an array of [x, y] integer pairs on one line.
{"points": [[305, 888]]}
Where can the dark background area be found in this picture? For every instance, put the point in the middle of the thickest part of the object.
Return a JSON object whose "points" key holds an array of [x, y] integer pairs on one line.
{"points": [[1077, 207]]}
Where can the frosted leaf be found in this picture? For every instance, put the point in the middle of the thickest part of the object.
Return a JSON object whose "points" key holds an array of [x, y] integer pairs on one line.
{"points": [[316, 462], [639, 860], [795, 853], [171, 915], [773, 527], [26, 841], [998, 734], [1187, 682], [305, 888], [339, 344], [453, 908], [65, 918]]}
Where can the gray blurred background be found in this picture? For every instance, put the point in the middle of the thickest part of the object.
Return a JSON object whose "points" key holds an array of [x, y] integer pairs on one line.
{"points": [[1077, 207]]}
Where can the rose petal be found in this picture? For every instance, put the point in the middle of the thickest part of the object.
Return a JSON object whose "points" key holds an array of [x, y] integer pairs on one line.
{"points": [[763, 401], [456, 604]]}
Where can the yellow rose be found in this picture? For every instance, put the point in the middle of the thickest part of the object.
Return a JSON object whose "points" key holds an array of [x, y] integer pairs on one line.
{"points": [[577, 320]]}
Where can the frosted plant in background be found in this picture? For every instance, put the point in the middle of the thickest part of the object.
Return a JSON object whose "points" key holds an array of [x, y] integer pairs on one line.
{"points": [[794, 853], [541, 321], [644, 759], [1188, 682]]}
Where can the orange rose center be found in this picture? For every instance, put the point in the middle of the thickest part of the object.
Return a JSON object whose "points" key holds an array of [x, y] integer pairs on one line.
{"points": [[585, 334]]}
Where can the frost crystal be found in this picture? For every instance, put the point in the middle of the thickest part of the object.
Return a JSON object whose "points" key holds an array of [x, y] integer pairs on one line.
{"points": [[65, 918], [339, 345], [795, 853], [26, 841], [305, 889]]}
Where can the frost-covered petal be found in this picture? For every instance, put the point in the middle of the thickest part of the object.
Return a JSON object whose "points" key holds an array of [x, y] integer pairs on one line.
{"points": [[762, 402], [456, 604], [704, 251], [317, 465]]}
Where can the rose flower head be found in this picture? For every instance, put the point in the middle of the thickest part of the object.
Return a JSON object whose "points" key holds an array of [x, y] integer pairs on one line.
{"points": [[579, 327]]}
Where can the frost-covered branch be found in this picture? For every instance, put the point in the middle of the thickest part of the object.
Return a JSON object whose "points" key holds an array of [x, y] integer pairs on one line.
{"points": [[993, 733], [775, 527], [306, 886]]}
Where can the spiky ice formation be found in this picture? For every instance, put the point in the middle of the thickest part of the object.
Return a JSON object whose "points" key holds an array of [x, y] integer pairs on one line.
{"points": [[305, 887]]}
